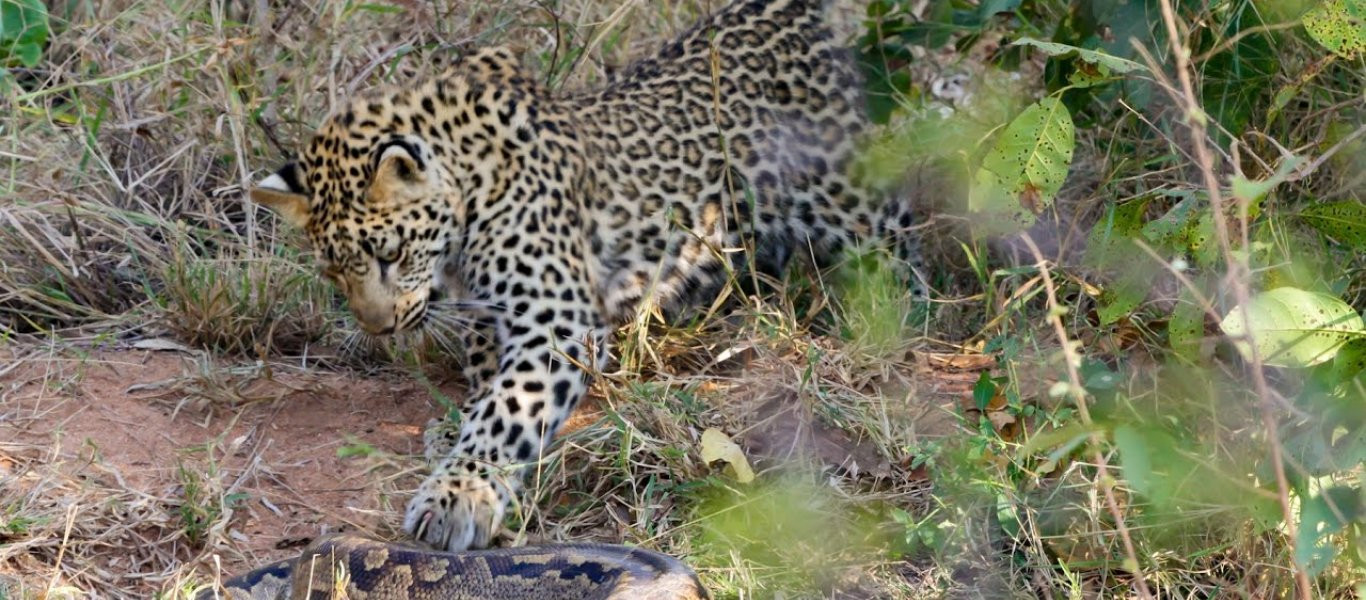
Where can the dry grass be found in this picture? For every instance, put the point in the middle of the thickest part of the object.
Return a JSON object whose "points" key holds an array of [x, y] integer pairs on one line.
{"points": [[882, 474], [122, 222]]}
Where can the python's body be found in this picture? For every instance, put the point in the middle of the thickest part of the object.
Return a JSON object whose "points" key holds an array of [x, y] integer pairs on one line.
{"points": [[357, 568]]}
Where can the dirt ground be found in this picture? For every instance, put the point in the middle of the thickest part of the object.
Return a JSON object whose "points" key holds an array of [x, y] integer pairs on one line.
{"points": [[112, 449], [126, 420]]}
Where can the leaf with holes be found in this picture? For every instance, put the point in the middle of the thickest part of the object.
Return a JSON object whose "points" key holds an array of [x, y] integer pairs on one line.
{"points": [[1350, 360], [1110, 244], [1291, 327], [1170, 229], [1343, 221], [1026, 167], [1186, 327], [1110, 248], [1339, 26], [1201, 240], [1125, 293]]}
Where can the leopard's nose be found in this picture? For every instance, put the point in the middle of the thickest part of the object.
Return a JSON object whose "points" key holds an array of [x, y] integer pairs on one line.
{"points": [[374, 320]]}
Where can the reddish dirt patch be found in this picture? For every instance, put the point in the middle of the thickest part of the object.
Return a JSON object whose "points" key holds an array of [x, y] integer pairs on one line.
{"points": [[128, 419], [92, 446]]}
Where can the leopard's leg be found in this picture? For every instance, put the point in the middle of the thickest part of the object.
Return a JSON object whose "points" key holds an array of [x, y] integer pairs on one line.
{"points": [[480, 346], [867, 219], [897, 230], [537, 383]]}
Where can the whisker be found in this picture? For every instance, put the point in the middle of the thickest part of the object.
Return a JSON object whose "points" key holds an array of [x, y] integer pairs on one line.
{"points": [[350, 344], [441, 338]]}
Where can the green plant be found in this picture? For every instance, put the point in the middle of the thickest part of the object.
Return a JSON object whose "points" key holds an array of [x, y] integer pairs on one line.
{"points": [[1218, 223], [23, 32], [202, 504]]}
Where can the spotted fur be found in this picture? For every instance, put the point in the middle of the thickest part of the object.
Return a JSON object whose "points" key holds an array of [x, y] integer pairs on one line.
{"points": [[557, 217]]}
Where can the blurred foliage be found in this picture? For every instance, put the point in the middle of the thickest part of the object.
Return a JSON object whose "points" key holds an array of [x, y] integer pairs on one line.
{"points": [[1099, 137], [23, 33]]}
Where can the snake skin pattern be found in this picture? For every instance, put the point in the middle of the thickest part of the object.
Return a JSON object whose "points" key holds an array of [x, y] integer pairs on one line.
{"points": [[356, 568]]}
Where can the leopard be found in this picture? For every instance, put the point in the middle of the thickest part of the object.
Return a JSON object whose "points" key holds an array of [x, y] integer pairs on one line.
{"points": [[551, 217]]}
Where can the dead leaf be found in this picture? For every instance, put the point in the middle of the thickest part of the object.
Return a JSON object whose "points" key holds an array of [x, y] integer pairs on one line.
{"points": [[162, 344], [961, 362], [716, 445], [1000, 419]]}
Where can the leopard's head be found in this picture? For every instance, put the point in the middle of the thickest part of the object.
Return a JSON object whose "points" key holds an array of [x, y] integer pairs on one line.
{"points": [[382, 188], [379, 224]]}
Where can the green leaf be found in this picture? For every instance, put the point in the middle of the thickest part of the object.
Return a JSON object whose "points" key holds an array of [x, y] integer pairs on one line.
{"points": [[1007, 515], [379, 8], [879, 8], [1252, 192], [1350, 360], [1120, 298], [1110, 243], [1026, 166], [1343, 221], [1338, 25], [1321, 517], [356, 449], [1097, 377], [983, 391], [1170, 229], [1293, 327], [1110, 63], [23, 31], [1110, 248], [991, 8], [1201, 242], [1154, 467], [1135, 457], [1186, 328]]}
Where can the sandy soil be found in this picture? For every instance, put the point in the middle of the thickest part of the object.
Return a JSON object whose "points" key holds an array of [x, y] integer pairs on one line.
{"points": [[93, 444], [128, 419]]}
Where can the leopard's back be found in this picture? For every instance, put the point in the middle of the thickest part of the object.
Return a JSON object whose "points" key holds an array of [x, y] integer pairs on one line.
{"points": [[739, 134]]}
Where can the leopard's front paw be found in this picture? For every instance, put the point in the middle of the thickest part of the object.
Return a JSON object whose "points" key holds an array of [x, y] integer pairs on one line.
{"points": [[455, 512]]}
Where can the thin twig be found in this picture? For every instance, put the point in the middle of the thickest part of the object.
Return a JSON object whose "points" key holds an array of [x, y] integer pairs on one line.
{"points": [[1237, 270], [1075, 389], [1309, 169], [34, 95], [1238, 37]]}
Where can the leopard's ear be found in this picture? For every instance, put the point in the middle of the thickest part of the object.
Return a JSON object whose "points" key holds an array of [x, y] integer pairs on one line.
{"points": [[283, 193], [401, 172]]}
